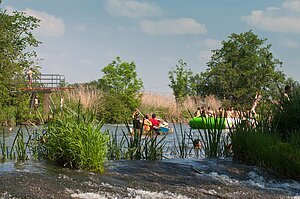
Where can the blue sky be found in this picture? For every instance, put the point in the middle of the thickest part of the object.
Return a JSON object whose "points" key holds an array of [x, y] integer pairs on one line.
{"points": [[80, 37]]}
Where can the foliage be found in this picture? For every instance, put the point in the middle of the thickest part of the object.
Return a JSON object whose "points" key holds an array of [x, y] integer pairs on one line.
{"points": [[286, 118], [259, 142], [120, 78], [24, 145], [266, 150], [74, 139], [214, 142], [243, 66], [16, 54], [180, 81], [111, 108], [139, 147]]}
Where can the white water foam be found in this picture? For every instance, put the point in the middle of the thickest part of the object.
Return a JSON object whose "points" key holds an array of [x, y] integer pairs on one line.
{"points": [[127, 193], [291, 187]]}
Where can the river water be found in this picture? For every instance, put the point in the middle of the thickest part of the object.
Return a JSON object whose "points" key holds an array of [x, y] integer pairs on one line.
{"points": [[168, 178]]}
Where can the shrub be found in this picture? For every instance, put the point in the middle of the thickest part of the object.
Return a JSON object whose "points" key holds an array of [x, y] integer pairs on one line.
{"points": [[75, 140], [286, 117], [267, 150]]}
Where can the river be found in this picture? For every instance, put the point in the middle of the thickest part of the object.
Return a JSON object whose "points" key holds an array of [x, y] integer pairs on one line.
{"points": [[168, 178]]}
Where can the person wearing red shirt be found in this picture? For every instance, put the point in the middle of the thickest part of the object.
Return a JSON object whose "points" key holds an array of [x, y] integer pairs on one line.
{"points": [[155, 122]]}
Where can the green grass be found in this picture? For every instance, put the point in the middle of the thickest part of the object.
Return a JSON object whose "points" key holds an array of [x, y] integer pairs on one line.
{"points": [[268, 151], [74, 139]]}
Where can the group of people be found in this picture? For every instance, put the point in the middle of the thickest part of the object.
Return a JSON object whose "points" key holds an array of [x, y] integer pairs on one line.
{"points": [[221, 112], [152, 123]]}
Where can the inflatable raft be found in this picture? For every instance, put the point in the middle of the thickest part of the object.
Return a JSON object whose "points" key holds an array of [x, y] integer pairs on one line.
{"points": [[208, 123]]}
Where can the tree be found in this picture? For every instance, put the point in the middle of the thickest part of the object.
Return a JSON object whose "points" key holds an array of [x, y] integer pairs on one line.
{"points": [[243, 66], [120, 79], [180, 81], [16, 54]]}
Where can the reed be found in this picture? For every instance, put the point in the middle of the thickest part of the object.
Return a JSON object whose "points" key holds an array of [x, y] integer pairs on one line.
{"points": [[213, 138], [165, 105], [21, 147], [3, 146], [136, 144], [181, 145], [88, 96], [116, 146], [74, 139]]}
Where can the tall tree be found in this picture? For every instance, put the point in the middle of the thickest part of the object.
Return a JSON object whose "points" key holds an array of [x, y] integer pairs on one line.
{"points": [[121, 80], [243, 66], [16, 51], [180, 81]]}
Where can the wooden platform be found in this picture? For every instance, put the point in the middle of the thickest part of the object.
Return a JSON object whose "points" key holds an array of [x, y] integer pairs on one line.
{"points": [[44, 89]]}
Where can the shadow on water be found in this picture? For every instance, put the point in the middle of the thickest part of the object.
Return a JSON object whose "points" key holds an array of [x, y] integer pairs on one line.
{"points": [[169, 178]]}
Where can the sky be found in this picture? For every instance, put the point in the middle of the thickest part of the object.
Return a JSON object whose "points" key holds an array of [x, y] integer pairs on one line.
{"points": [[80, 37]]}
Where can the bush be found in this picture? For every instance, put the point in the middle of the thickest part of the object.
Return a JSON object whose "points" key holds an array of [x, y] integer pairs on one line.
{"points": [[75, 140], [268, 151], [286, 117]]}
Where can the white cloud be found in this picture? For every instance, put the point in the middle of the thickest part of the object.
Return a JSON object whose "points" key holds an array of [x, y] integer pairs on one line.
{"points": [[289, 43], [132, 8], [292, 5], [283, 19], [49, 25], [173, 26]]}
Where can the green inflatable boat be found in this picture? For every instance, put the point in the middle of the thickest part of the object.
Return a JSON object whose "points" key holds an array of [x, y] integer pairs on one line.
{"points": [[207, 123]]}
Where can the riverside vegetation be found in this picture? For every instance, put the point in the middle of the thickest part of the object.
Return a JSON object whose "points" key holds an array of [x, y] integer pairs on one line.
{"points": [[74, 138], [235, 72]]}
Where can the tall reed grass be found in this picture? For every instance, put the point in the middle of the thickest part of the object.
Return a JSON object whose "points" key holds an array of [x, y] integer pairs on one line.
{"points": [[165, 105], [74, 139], [24, 145]]}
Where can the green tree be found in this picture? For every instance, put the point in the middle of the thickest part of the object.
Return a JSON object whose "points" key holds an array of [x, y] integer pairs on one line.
{"points": [[16, 54], [121, 80], [243, 66], [180, 81]]}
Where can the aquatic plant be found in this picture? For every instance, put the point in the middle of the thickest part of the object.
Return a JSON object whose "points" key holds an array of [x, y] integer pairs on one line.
{"points": [[136, 144], [268, 151], [213, 137], [181, 144], [21, 146], [258, 143], [116, 146], [74, 139], [286, 117]]}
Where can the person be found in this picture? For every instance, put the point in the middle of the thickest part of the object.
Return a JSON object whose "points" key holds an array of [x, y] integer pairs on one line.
{"points": [[36, 103], [203, 112], [155, 122], [136, 120], [254, 105], [147, 123], [287, 90], [29, 77], [198, 112], [61, 104], [197, 144], [210, 112]]}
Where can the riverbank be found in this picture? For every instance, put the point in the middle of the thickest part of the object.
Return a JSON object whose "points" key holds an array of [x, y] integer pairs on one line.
{"points": [[177, 178]]}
